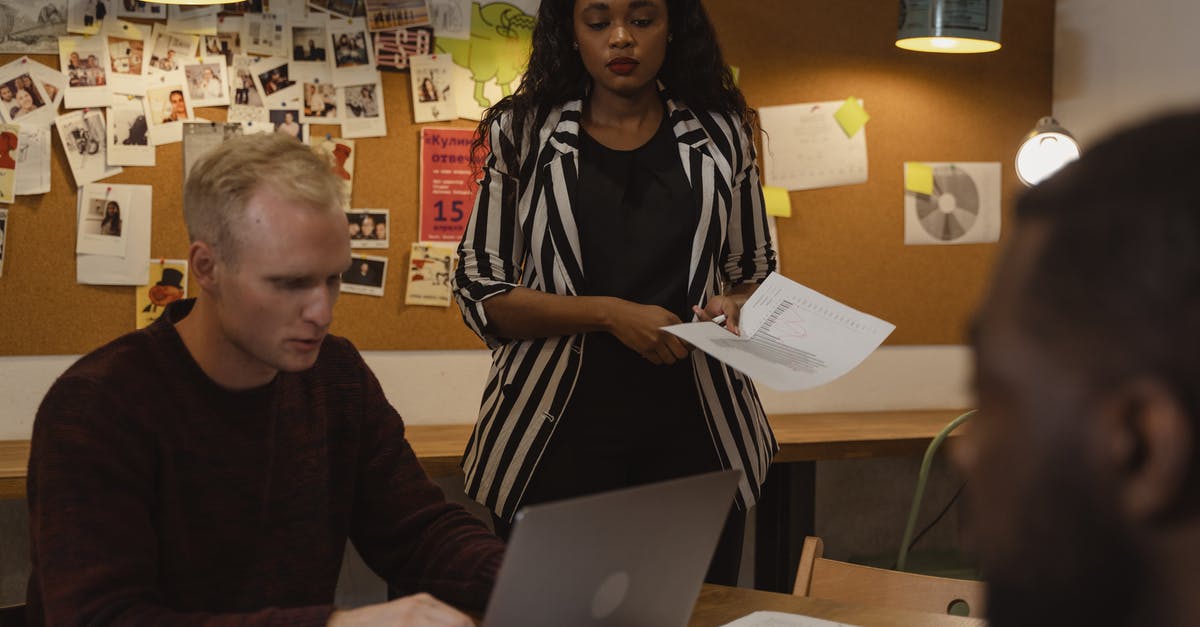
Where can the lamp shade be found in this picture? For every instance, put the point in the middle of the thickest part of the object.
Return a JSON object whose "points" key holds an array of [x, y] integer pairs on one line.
{"points": [[1046, 149], [957, 26]]}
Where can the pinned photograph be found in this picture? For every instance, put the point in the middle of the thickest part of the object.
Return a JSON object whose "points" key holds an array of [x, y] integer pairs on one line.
{"points": [[228, 40], [366, 275], [129, 133], [201, 137], [168, 106], [451, 18], [3, 231], [286, 121], [320, 103], [340, 155], [362, 111], [433, 97], [169, 51], [53, 84], [309, 43], [353, 60], [102, 227], [33, 161], [193, 20], [140, 9], [167, 284], [9, 143], [275, 81], [127, 56], [32, 28], [84, 59], [247, 101], [267, 34], [207, 82], [368, 228], [83, 138], [430, 267], [242, 8], [343, 8], [85, 16], [393, 14], [394, 47], [20, 96]]}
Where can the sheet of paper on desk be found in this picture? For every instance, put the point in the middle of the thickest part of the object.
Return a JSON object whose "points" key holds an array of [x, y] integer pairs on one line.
{"points": [[792, 337], [779, 619]]}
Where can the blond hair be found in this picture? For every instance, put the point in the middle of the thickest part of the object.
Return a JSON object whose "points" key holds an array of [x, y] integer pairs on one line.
{"points": [[221, 183]]}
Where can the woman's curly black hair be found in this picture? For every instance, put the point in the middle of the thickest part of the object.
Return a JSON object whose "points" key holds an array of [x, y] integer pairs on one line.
{"points": [[693, 71]]}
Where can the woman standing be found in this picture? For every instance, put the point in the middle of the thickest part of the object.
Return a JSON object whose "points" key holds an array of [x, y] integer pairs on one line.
{"points": [[111, 224], [620, 195]]}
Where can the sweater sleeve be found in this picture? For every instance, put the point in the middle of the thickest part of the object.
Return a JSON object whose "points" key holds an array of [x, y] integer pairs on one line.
{"points": [[403, 526], [93, 539]]}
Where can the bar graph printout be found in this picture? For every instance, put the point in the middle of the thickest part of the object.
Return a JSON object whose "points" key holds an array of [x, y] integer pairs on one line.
{"points": [[792, 337]]}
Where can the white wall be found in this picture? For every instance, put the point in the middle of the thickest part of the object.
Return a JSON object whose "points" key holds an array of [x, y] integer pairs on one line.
{"points": [[439, 387], [1116, 61]]}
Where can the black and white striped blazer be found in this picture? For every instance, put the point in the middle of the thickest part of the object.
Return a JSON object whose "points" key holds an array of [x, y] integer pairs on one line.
{"points": [[522, 231]]}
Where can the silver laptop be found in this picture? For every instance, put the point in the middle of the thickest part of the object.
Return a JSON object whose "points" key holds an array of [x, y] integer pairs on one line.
{"points": [[633, 557]]}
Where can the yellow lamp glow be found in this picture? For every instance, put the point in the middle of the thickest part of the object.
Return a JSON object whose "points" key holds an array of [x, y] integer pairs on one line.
{"points": [[1045, 150]]}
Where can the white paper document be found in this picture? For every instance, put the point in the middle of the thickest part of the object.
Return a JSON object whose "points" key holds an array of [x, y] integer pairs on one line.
{"points": [[779, 619], [805, 148], [792, 337]]}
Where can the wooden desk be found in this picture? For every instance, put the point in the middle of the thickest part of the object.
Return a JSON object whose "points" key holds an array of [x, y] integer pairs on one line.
{"points": [[802, 438], [719, 605]]}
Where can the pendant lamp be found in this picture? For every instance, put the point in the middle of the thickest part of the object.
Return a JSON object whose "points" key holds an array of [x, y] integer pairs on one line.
{"points": [[956, 26]]}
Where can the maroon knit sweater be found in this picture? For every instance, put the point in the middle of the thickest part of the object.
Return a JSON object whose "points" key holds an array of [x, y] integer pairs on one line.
{"points": [[156, 497]]}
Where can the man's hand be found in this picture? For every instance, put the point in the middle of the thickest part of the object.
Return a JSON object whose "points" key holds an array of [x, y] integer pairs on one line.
{"points": [[418, 610], [640, 328]]}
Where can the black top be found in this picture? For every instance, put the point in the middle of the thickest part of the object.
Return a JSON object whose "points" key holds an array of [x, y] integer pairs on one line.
{"points": [[636, 219]]}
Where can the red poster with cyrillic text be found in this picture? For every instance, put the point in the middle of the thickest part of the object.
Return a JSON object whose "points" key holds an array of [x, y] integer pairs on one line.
{"points": [[448, 183]]}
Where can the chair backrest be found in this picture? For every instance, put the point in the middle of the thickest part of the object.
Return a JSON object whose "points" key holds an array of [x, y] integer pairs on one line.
{"points": [[823, 578]]}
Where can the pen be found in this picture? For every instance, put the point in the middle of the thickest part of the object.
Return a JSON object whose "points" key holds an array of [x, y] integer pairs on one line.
{"points": [[719, 320]]}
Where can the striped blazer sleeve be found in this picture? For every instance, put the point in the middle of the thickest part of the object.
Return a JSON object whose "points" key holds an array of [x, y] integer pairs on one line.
{"points": [[749, 256], [492, 248]]}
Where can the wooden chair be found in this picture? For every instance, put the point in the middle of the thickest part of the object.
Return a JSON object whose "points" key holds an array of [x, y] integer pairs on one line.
{"points": [[823, 578]]}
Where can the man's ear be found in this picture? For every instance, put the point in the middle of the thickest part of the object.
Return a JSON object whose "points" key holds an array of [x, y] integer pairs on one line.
{"points": [[202, 260], [1150, 440]]}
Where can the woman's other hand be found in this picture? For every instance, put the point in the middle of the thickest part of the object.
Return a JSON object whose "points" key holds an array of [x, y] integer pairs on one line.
{"points": [[639, 327]]}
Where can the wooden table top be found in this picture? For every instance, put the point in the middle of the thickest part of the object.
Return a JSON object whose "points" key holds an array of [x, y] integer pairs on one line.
{"points": [[802, 437], [719, 605]]}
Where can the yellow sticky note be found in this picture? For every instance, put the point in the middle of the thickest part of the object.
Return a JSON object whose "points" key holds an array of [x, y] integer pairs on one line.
{"points": [[733, 69], [918, 178], [851, 116], [779, 204]]}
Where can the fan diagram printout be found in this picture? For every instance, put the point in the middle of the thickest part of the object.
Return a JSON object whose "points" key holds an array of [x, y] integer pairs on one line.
{"points": [[951, 203], [792, 337]]}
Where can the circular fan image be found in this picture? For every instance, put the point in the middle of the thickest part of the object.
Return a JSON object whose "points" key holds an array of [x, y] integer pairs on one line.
{"points": [[953, 207]]}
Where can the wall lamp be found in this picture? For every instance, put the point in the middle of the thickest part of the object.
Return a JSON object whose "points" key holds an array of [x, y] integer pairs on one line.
{"points": [[1047, 148]]}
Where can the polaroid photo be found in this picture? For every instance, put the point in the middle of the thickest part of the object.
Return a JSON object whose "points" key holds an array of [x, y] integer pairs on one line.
{"points": [[362, 110], [353, 61], [166, 284], [3, 232], [83, 138], [228, 40], [242, 8], [168, 106], [84, 59], [207, 82], [22, 98], [267, 34], [201, 137], [319, 102], [367, 275], [341, 8], [393, 14], [291, 10], [287, 121], [41, 24], [127, 45], [129, 133], [102, 227], [393, 48], [247, 104], [451, 18], [169, 51], [276, 82], [10, 137], [54, 85], [193, 20], [139, 9], [368, 228], [33, 161], [310, 43], [433, 97], [134, 202], [430, 267], [340, 155], [85, 16]]}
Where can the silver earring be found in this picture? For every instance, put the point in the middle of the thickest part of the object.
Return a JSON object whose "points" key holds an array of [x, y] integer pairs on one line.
{"points": [[575, 45], [670, 37]]}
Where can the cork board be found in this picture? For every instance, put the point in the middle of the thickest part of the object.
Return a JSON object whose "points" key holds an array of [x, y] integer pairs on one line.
{"points": [[844, 241]]}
